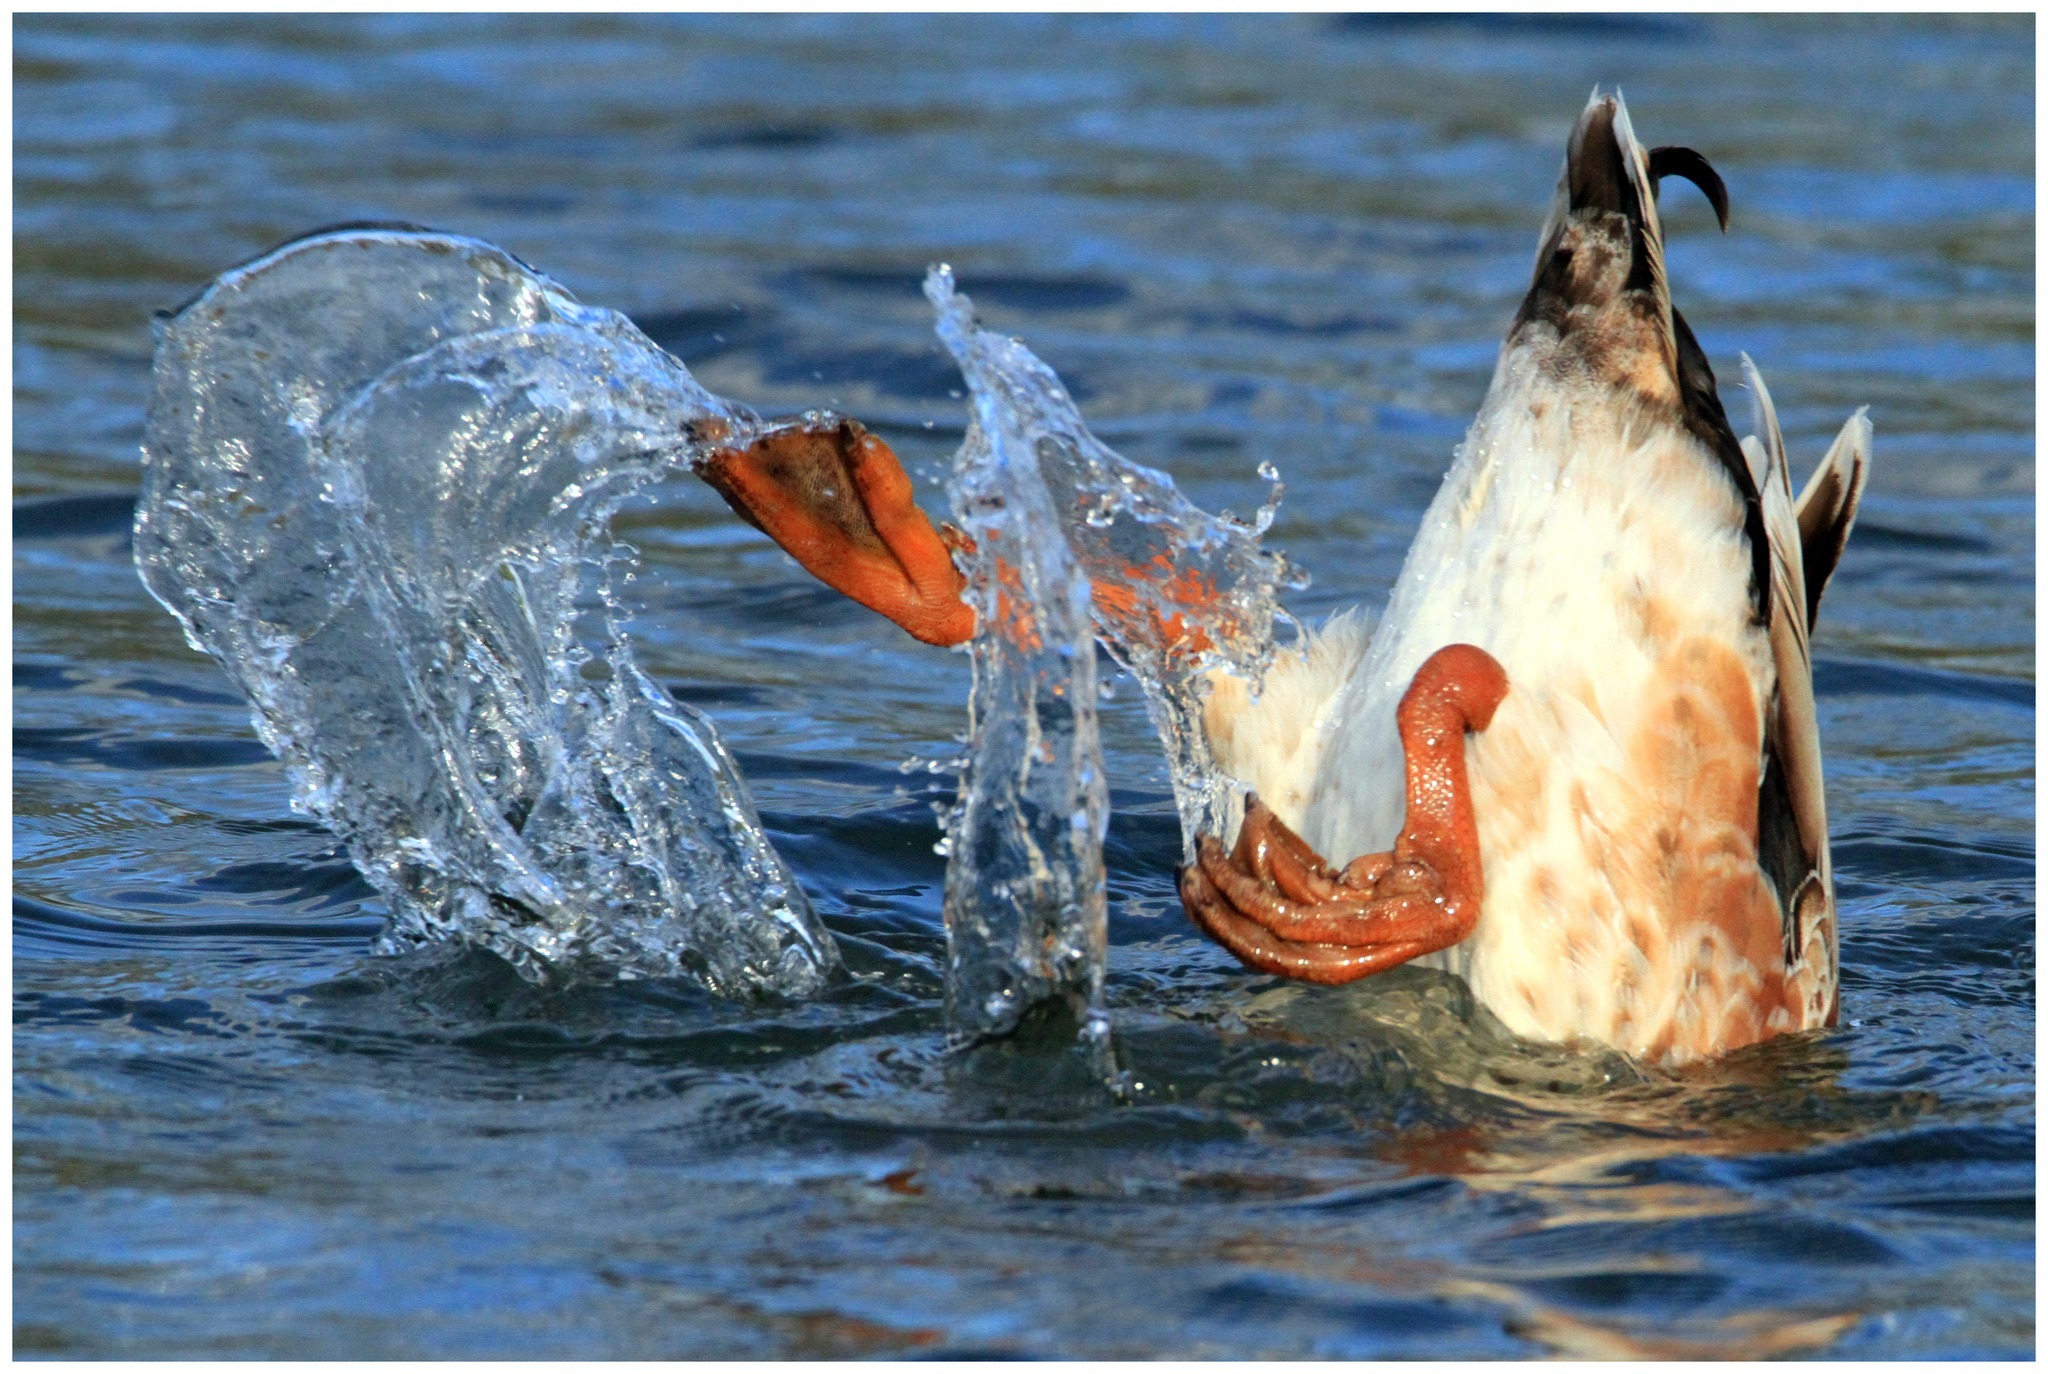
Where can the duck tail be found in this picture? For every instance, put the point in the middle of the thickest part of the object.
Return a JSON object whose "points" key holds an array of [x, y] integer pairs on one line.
{"points": [[1599, 280], [1607, 171]]}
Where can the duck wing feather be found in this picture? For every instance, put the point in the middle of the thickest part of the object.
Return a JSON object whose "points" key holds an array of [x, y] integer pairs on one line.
{"points": [[1792, 818], [1827, 507]]}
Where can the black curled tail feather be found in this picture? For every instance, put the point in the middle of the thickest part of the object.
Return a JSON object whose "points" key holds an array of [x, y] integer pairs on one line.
{"points": [[1669, 161]]}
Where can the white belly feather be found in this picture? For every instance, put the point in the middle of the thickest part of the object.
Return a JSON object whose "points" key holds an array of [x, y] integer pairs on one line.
{"points": [[1599, 557]]}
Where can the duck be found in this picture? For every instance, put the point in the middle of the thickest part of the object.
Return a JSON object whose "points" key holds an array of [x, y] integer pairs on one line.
{"points": [[1576, 760]]}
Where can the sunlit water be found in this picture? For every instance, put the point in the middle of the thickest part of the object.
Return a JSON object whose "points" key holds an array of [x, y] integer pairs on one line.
{"points": [[1296, 241]]}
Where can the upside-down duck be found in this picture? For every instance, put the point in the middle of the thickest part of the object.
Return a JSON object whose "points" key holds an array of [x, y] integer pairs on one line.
{"points": [[1578, 761]]}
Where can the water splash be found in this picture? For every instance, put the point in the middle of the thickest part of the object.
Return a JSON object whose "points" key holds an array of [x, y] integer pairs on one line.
{"points": [[1177, 593], [377, 474], [1026, 910], [1071, 543]]}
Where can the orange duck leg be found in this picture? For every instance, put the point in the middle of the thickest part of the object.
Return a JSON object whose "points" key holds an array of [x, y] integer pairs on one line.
{"points": [[1275, 903], [836, 498]]}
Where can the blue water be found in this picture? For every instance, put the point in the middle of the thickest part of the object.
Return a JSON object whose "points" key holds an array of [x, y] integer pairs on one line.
{"points": [[1285, 239]]}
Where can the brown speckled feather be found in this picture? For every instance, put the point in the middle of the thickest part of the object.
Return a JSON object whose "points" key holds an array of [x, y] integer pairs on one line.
{"points": [[1649, 796]]}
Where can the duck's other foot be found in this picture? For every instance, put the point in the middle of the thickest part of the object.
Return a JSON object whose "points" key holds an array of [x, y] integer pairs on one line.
{"points": [[837, 499], [1279, 907]]}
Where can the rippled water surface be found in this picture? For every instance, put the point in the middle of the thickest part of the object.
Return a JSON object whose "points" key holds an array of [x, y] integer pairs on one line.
{"points": [[1295, 240]]}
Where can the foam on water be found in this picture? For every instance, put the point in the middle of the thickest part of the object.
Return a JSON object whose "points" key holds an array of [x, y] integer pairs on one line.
{"points": [[377, 473]]}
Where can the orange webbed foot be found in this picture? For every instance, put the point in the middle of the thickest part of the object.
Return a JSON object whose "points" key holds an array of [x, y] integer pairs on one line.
{"points": [[837, 499], [1279, 907]]}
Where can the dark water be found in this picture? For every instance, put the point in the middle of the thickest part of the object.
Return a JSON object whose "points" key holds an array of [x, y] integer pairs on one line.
{"points": [[1290, 239]]}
